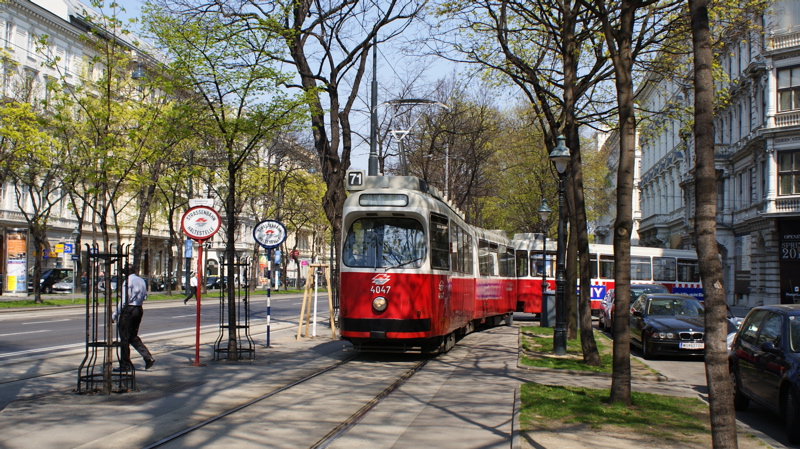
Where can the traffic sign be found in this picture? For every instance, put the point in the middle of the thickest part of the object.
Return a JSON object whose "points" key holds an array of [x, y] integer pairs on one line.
{"points": [[269, 233], [200, 222]]}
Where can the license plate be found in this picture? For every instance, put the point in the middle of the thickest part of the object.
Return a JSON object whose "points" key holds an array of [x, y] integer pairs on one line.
{"points": [[687, 345]]}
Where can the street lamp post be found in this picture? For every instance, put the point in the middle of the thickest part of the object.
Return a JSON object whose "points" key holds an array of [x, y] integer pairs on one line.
{"points": [[544, 214], [560, 158]]}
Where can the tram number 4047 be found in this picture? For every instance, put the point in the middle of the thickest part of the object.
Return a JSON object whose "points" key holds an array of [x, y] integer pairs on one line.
{"points": [[382, 289]]}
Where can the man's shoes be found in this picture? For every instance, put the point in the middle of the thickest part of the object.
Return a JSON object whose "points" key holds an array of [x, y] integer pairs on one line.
{"points": [[186, 300], [122, 369], [149, 363]]}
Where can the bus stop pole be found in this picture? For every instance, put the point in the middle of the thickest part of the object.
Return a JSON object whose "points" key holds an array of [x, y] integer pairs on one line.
{"points": [[197, 305], [269, 290]]}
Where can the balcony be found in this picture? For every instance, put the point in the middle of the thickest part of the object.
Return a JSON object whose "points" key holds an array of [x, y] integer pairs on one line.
{"points": [[784, 41], [787, 205], [791, 118]]}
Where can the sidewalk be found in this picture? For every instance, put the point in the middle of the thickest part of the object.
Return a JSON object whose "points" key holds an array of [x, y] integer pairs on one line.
{"points": [[467, 398]]}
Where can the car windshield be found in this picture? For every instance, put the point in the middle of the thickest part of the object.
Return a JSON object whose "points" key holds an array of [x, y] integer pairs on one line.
{"points": [[384, 243], [674, 307], [794, 332]]}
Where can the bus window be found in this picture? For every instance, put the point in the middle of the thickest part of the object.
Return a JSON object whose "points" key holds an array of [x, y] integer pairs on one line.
{"points": [[522, 264], [593, 265], [607, 267], [688, 271], [664, 269], [640, 268]]}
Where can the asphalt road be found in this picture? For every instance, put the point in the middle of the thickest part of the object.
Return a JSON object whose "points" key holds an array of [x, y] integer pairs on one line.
{"points": [[47, 331]]}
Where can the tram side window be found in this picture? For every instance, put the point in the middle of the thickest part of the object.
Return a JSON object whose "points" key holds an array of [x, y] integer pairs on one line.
{"points": [[486, 258], [688, 270], [640, 268], [440, 243], [664, 269], [466, 250], [607, 267], [506, 262], [522, 264], [537, 266], [461, 245]]}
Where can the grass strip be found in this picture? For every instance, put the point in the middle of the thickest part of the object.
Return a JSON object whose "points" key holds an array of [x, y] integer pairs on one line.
{"points": [[537, 350], [660, 416]]}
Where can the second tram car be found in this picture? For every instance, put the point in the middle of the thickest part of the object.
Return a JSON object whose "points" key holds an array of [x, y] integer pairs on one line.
{"points": [[414, 274]]}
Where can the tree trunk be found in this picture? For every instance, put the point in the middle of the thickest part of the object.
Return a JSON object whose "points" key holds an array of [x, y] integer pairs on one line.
{"points": [[623, 68], [720, 394]]}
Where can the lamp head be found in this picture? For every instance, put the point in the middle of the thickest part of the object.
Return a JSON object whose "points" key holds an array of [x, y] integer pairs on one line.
{"points": [[560, 155], [139, 72], [544, 211]]}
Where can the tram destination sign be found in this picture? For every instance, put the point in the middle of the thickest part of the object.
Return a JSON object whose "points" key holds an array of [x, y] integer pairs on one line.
{"points": [[200, 222], [269, 233]]}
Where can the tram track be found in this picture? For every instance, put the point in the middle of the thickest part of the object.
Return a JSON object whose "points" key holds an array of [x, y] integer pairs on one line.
{"points": [[300, 389]]}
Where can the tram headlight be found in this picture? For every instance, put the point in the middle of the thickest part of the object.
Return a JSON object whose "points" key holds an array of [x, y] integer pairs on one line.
{"points": [[379, 304]]}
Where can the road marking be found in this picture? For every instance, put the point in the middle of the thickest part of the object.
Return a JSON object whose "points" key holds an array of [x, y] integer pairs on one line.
{"points": [[183, 316], [23, 333], [44, 322]]}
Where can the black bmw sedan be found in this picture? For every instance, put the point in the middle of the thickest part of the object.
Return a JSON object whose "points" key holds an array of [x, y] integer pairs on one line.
{"points": [[666, 323]]}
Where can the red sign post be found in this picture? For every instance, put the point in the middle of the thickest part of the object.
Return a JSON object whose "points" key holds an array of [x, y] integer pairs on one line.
{"points": [[199, 223]]}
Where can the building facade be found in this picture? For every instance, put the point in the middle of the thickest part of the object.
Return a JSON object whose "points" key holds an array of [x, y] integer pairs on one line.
{"points": [[757, 135]]}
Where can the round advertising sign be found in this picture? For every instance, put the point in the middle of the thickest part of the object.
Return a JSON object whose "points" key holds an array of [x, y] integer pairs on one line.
{"points": [[269, 233], [200, 222]]}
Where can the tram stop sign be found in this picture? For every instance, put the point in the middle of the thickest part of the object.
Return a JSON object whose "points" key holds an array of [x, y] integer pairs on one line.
{"points": [[269, 233], [200, 222]]}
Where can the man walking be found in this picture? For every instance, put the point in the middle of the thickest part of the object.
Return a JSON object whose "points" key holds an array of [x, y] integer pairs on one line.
{"points": [[129, 310]]}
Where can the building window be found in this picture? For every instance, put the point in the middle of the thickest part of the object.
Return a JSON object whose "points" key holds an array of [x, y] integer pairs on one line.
{"points": [[789, 89], [789, 173]]}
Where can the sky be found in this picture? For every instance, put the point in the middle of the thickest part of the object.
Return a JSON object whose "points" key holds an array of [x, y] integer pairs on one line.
{"points": [[393, 68]]}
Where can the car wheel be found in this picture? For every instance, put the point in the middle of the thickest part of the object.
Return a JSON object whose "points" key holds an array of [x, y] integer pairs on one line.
{"points": [[740, 401], [792, 418], [647, 354]]}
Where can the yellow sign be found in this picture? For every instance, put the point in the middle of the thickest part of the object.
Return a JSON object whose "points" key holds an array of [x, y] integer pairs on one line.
{"points": [[59, 248]]}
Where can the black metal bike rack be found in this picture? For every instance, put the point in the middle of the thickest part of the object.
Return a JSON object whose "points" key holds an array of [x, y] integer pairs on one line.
{"points": [[234, 341], [96, 373]]}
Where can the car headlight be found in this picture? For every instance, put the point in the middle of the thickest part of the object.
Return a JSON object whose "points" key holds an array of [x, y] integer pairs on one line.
{"points": [[663, 335], [379, 304]]}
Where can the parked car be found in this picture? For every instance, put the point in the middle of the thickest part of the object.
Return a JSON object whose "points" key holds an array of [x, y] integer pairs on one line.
{"points": [[66, 285], [113, 281], [765, 363], [607, 303], [667, 323], [49, 278], [215, 282]]}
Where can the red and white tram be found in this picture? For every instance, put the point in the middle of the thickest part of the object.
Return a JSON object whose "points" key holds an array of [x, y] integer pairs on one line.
{"points": [[414, 274]]}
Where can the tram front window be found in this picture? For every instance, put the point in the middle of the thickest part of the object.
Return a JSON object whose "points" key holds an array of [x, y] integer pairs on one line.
{"points": [[384, 243]]}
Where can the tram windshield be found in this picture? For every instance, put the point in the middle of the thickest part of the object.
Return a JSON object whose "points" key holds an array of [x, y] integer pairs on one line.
{"points": [[384, 243]]}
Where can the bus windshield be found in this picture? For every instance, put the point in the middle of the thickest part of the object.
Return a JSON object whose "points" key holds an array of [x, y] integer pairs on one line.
{"points": [[384, 243]]}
